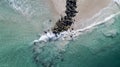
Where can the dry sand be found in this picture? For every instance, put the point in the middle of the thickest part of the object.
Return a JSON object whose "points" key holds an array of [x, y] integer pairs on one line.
{"points": [[86, 8]]}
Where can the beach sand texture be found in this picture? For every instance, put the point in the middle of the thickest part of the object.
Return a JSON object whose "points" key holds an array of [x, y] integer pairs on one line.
{"points": [[86, 9]]}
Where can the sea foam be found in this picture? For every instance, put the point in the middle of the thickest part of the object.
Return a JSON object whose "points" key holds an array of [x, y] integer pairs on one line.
{"points": [[69, 35]]}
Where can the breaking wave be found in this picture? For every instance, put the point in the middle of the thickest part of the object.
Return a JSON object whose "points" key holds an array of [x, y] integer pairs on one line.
{"points": [[57, 49], [27, 7]]}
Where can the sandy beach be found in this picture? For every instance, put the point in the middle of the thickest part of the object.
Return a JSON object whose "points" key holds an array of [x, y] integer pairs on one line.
{"points": [[86, 9]]}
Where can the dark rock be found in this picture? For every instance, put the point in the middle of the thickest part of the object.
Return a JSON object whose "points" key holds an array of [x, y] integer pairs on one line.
{"points": [[65, 22]]}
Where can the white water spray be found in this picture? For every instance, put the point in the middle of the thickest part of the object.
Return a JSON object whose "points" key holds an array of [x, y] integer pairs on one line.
{"points": [[69, 35]]}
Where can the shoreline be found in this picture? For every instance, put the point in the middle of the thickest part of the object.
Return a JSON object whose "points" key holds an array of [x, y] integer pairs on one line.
{"points": [[86, 10]]}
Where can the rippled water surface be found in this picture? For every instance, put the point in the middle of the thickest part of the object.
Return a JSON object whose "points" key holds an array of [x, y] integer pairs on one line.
{"points": [[22, 20]]}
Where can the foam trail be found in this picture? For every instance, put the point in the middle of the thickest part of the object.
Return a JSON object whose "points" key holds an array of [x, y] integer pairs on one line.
{"points": [[97, 23], [66, 35], [21, 6], [76, 33]]}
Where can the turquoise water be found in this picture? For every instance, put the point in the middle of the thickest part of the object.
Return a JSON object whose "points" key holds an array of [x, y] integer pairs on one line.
{"points": [[95, 49], [16, 34], [99, 48]]}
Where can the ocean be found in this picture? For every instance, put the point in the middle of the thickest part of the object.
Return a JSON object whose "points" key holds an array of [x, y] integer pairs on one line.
{"points": [[21, 22]]}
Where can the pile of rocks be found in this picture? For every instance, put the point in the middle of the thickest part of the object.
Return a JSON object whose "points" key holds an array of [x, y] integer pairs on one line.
{"points": [[65, 22]]}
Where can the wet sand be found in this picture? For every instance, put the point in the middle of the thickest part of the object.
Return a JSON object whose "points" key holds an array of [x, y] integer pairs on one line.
{"points": [[86, 9]]}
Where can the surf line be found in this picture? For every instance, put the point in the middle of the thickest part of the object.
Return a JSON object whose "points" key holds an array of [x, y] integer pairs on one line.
{"points": [[68, 34], [62, 25]]}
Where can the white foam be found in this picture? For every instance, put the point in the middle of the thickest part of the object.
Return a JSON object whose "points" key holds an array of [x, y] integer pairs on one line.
{"points": [[66, 34], [98, 23], [21, 6]]}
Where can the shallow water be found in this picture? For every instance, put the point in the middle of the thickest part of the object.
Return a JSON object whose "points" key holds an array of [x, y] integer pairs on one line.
{"points": [[95, 49], [18, 28], [17, 31]]}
